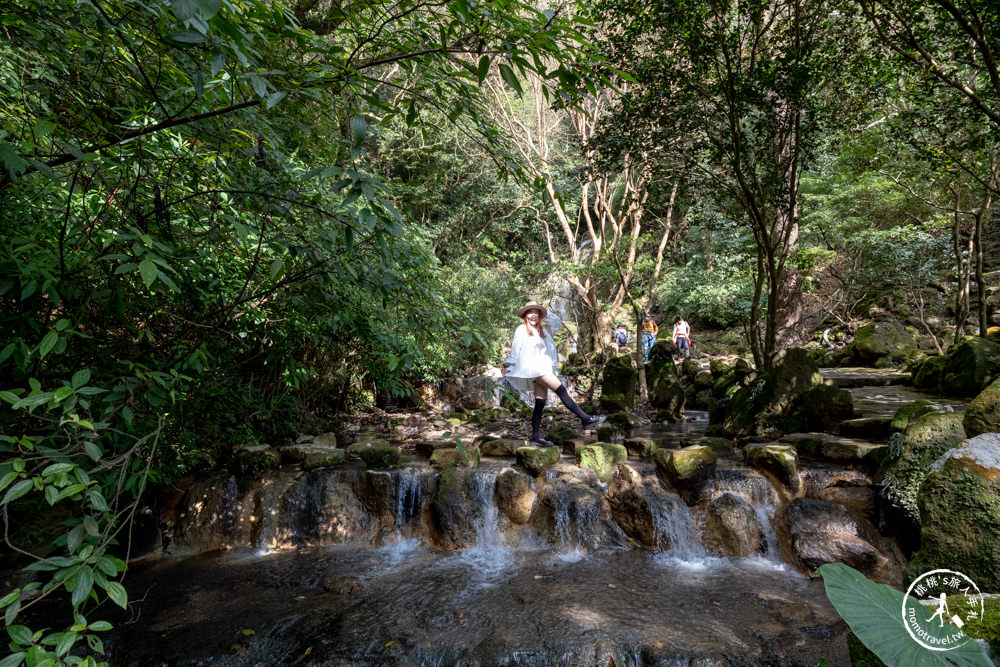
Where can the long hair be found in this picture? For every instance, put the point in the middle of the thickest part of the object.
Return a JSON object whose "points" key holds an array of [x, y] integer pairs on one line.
{"points": [[541, 323]]}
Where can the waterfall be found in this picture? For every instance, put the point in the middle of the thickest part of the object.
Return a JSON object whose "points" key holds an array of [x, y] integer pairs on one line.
{"points": [[674, 530], [409, 498], [490, 555]]}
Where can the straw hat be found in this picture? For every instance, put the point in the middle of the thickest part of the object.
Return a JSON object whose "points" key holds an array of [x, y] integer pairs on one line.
{"points": [[532, 305]]}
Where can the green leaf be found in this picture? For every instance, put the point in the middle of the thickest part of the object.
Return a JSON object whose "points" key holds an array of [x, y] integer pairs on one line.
{"points": [[874, 612], [359, 127], [62, 393], [85, 583], [10, 597], [57, 469], [66, 643], [47, 343], [100, 626], [148, 271], [13, 660], [93, 451], [117, 594], [274, 98], [183, 9], [97, 501], [186, 37], [17, 491], [208, 8], [80, 378], [20, 634], [11, 160], [483, 69], [508, 75], [7, 480]]}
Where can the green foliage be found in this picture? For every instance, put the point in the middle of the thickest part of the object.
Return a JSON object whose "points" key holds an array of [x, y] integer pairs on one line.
{"points": [[873, 611]]}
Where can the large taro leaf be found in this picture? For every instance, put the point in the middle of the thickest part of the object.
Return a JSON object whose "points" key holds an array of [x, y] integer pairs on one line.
{"points": [[874, 612]]}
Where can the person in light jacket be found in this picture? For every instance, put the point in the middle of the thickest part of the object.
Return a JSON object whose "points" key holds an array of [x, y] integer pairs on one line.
{"points": [[533, 356]]}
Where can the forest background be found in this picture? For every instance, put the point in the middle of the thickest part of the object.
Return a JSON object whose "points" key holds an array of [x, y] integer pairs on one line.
{"points": [[233, 221]]}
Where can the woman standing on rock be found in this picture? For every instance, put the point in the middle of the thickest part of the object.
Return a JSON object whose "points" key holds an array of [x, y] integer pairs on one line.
{"points": [[533, 357]]}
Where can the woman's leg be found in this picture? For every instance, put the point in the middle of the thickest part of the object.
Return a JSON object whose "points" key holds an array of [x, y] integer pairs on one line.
{"points": [[553, 383], [541, 394]]}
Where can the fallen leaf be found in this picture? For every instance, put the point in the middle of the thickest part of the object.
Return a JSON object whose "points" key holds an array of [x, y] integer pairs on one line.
{"points": [[612, 586], [247, 632], [390, 643], [308, 651], [538, 576], [658, 644]]}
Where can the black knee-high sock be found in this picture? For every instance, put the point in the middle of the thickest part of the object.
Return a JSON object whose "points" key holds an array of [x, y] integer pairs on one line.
{"points": [[570, 403], [536, 418]]}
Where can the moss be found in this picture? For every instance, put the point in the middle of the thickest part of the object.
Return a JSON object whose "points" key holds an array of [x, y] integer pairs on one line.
{"points": [[903, 415], [560, 432], [983, 413], [861, 655], [640, 447], [618, 384], [601, 458], [986, 628], [249, 459], [453, 456], [380, 457], [537, 459], [928, 375], [622, 419]]}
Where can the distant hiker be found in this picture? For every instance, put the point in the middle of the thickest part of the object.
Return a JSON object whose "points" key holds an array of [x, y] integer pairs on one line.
{"points": [[682, 337], [620, 337], [533, 356], [649, 331]]}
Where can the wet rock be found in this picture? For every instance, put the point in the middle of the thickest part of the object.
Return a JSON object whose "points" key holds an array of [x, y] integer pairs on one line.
{"points": [[618, 384], [607, 433], [983, 414], [866, 428], [501, 447], [451, 513], [514, 496], [537, 459], [732, 527], [858, 498], [425, 448], [570, 509], [312, 456], [640, 447], [560, 432], [717, 368], [835, 449], [703, 380], [687, 470], [665, 389], [973, 365], [716, 443], [883, 340], [601, 458], [250, 459], [362, 443], [814, 532], [377, 492], [328, 439], [927, 376], [380, 456], [779, 461], [959, 504], [343, 586], [456, 457]]}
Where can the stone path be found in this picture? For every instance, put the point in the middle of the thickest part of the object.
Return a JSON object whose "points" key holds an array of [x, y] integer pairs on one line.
{"points": [[863, 377], [884, 401]]}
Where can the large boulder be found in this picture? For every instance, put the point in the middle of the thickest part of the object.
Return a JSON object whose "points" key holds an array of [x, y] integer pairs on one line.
{"points": [[561, 432], [814, 532], [927, 376], [732, 527], [252, 459], [636, 506], [665, 390], [764, 404], [453, 456], [983, 413], [959, 504], [640, 447], [912, 452], [515, 496], [382, 456], [618, 385], [686, 470], [453, 521], [501, 447], [973, 365], [883, 340]]}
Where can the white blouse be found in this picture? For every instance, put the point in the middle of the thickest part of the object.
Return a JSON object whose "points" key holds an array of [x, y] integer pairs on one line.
{"points": [[534, 356]]}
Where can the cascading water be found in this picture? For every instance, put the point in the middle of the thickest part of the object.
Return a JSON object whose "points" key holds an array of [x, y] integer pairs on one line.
{"points": [[674, 530], [489, 554]]}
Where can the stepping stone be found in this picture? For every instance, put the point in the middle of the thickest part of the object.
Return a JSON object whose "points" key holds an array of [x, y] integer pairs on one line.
{"points": [[867, 428], [835, 449]]}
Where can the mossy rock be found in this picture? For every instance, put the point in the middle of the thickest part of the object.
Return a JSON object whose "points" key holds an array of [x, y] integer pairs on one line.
{"points": [[455, 457], [537, 459], [501, 447], [959, 504], [717, 368], [662, 353], [822, 408], [251, 459], [687, 470], [426, 448], [666, 391], [983, 414], [640, 447], [607, 432], [987, 628], [927, 376], [861, 655], [901, 419], [883, 340], [623, 420], [779, 461], [618, 384], [560, 432], [381, 456], [513, 403], [601, 458], [973, 365], [322, 457], [485, 416], [924, 441], [703, 380]]}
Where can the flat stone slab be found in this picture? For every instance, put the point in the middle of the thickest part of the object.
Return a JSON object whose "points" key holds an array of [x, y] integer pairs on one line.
{"points": [[884, 401], [867, 428], [863, 377], [832, 448]]}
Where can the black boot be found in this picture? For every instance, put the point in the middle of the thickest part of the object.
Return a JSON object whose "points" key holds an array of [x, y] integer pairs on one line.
{"points": [[536, 425], [588, 421]]}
